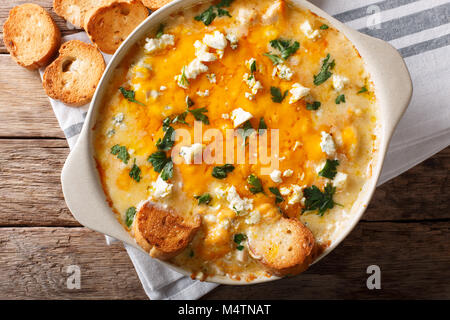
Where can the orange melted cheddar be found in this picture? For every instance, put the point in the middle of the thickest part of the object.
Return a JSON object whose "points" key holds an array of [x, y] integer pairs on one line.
{"points": [[268, 65]]}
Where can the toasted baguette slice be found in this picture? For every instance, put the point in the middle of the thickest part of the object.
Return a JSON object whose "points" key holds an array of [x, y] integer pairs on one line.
{"points": [[31, 36], [155, 4], [109, 25], [75, 11], [161, 232], [284, 246], [73, 77]]}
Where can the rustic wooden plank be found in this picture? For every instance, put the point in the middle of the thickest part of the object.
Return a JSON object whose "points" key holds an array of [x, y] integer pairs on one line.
{"points": [[34, 261], [30, 192], [414, 259], [24, 108], [6, 6], [30, 188]]}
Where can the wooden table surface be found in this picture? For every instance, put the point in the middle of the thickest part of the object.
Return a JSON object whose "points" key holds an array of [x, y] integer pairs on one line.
{"points": [[405, 231]]}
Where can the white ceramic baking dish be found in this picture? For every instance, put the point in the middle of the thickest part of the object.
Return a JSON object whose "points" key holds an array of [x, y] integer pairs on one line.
{"points": [[80, 181]]}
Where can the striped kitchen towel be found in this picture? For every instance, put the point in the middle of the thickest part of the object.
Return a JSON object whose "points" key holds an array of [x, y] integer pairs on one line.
{"points": [[420, 30]]}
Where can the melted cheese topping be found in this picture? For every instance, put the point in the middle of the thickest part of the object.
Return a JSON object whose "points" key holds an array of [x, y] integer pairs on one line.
{"points": [[213, 66]]}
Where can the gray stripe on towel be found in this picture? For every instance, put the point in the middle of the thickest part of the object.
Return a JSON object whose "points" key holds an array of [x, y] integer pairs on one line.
{"points": [[73, 130], [411, 24], [425, 46], [362, 12]]}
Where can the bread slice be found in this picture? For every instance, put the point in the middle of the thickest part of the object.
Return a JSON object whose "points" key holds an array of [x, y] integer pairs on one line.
{"points": [[155, 4], [73, 77], [161, 232], [31, 36], [75, 11], [109, 25], [284, 246]]}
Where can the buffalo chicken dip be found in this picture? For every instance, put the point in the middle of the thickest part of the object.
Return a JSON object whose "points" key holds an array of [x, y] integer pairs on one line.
{"points": [[237, 137]]}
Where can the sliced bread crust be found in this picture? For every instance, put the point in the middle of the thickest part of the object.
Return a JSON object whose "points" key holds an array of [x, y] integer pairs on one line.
{"points": [[75, 11], [284, 247], [31, 36], [155, 4], [108, 26], [73, 77], [161, 232]]}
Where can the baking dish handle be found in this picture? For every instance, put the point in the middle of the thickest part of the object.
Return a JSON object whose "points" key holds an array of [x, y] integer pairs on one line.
{"points": [[84, 194], [388, 69]]}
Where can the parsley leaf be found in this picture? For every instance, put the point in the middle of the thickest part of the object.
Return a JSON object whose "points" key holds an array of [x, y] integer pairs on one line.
{"points": [[189, 102], [285, 47], [246, 131], [167, 171], [262, 124], [167, 142], [256, 184], [239, 237], [129, 95], [129, 216], [121, 153], [274, 58], [166, 123], [160, 31], [313, 106], [329, 169], [183, 81], [208, 16], [224, 3], [222, 12], [198, 115], [222, 172], [277, 96], [204, 198], [181, 118], [253, 67], [276, 192], [324, 27], [324, 73], [135, 172], [363, 89], [158, 160], [162, 164], [340, 98], [318, 200]]}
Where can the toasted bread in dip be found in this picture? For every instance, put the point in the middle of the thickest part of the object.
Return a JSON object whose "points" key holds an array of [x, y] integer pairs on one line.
{"points": [[283, 247], [161, 232]]}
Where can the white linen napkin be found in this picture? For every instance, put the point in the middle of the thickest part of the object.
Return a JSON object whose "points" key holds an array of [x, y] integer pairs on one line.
{"points": [[420, 29]]}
